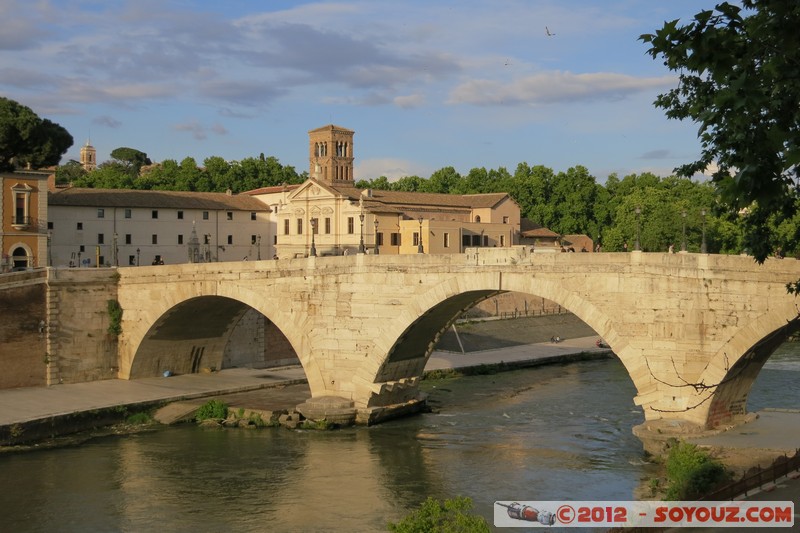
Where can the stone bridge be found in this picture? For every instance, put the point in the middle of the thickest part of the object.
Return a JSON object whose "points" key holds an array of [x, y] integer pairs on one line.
{"points": [[692, 330]]}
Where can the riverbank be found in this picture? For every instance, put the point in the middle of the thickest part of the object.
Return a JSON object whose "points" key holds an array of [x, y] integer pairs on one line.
{"points": [[39, 414]]}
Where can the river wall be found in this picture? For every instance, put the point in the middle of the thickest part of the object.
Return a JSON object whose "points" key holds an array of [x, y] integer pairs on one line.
{"points": [[23, 347]]}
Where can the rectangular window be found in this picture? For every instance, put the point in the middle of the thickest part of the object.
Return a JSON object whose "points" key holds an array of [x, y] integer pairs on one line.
{"points": [[180, 239], [206, 239], [446, 240], [229, 215], [101, 261], [82, 248], [252, 215], [205, 215], [395, 239], [327, 225], [379, 238], [128, 238], [131, 260], [286, 227], [101, 213], [351, 225], [230, 239], [180, 215], [100, 238], [252, 239], [155, 213], [505, 220], [315, 225], [299, 226], [80, 226], [502, 240], [128, 213], [155, 239], [466, 240], [50, 225], [415, 241]]}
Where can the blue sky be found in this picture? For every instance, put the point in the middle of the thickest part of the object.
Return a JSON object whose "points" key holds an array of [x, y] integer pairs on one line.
{"points": [[425, 84]]}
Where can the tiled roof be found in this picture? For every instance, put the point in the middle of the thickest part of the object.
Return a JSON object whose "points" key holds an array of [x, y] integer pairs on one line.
{"points": [[165, 199], [421, 199], [271, 190]]}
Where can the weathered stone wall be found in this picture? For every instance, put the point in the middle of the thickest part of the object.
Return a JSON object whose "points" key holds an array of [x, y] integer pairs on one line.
{"points": [[23, 344], [256, 343], [79, 344]]}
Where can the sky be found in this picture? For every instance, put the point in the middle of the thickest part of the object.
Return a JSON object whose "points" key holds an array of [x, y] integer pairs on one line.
{"points": [[425, 84]]}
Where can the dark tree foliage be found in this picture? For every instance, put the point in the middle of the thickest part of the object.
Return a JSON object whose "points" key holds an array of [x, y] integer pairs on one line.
{"points": [[26, 139], [739, 71]]}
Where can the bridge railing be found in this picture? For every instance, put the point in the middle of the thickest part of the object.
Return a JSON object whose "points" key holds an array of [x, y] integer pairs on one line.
{"points": [[757, 477]]}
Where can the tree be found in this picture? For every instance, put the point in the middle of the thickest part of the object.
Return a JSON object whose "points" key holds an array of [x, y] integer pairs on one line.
{"points": [[69, 172], [738, 80], [132, 158], [26, 139]]}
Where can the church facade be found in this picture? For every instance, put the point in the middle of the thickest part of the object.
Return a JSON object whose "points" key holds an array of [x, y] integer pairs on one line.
{"points": [[329, 215]]}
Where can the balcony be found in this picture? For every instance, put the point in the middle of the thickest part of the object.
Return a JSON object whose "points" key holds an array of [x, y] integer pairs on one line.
{"points": [[22, 223]]}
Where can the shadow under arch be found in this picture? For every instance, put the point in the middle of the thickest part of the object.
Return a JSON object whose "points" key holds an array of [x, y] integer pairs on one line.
{"points": [[731, 390], [410, 352], [193, 335]]}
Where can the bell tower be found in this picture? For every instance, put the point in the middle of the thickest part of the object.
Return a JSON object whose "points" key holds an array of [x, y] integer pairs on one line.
{"points": [[88, 157], [330, 153]]}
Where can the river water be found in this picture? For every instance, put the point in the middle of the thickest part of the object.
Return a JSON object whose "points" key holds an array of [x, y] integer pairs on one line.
{"points": [[550, 433]]}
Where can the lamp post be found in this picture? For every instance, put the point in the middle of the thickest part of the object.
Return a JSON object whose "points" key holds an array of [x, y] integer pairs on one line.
{"points": [[116, 250], [137, 256], [703, 247], [377, 251], [361, 248], [420, 250], [313, 252], [683, 242], [638, 211]]}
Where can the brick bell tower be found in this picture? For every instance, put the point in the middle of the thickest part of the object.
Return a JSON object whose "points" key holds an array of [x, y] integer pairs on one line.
{"points": [[330, 153]]}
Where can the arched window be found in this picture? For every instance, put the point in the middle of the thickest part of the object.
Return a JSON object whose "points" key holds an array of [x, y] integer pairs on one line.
{"points": [[477, 218], [20, 258]]}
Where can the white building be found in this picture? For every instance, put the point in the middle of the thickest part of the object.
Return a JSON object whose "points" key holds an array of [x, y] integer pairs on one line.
{"points": [[105, 227]]}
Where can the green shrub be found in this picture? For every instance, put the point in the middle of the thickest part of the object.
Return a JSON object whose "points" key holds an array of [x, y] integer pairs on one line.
{"points": [[692, 473], [114, 317], [139, 419], [212, 409], [317, 424], [450, 516]]}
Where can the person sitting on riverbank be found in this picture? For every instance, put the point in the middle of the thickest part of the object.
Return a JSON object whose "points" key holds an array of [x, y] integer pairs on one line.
{"points": [[555, 339]]}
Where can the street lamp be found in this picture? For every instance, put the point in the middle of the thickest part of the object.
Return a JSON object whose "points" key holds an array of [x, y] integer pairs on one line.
{"points": [[313, 252], [376, 236], [420, 250], [638, 211], [683, 243], [137, 256], [703, 248], [361, 248], [116, 250]]}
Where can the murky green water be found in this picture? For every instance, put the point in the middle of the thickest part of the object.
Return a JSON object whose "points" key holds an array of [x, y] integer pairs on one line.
{"points": [[560, 432]]}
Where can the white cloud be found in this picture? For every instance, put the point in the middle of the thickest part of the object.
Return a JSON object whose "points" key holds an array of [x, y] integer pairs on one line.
{"points": [[409, 101], [393, 169], [555, 87]]}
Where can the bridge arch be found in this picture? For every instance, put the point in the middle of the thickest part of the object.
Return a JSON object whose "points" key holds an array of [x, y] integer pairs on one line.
{"points": [[187, 329], [730, 374], [444, 302]]}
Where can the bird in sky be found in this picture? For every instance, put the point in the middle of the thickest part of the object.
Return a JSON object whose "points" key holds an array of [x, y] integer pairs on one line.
{"points": [[547, 31]]}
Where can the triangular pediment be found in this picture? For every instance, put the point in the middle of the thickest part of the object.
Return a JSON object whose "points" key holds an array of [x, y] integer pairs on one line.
{"points": [[314, 190]]}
